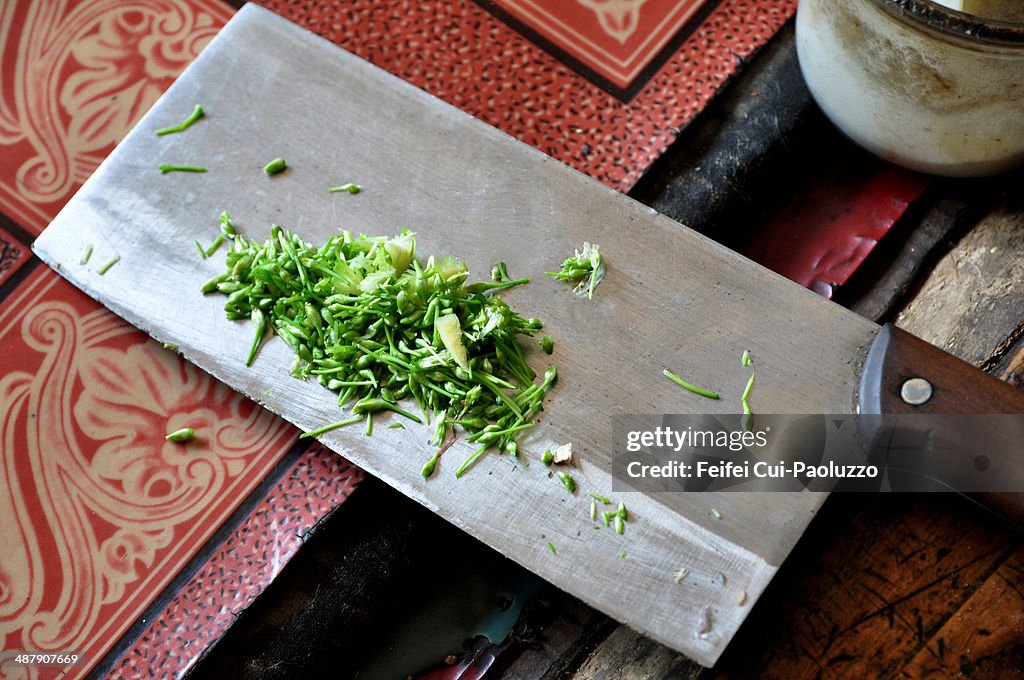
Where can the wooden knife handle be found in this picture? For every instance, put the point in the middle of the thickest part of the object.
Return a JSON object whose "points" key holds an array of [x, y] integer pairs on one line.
{"points": [[906, 375]]}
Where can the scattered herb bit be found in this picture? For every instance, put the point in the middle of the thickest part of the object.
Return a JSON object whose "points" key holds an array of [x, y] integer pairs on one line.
{"points": [[216, 244], [196, 114], [372, 323], [171, 346], [548, 458], [741, 599], [567, 481], [199, 247], [745, 359], [547, 343], [599, 497], [687, 386], [746, 394], [551, 547], [584, 270], [165, 168], [715, 513], [620, 525], [622, 554], [349, 187], [396, 426], [704, 624], [86, 254], [428, 467], [606, 517], [593, 510], [333, 426], [499, 273], [275, 166], [109, 263], [185, 434], [622, 512], [680, 574]]}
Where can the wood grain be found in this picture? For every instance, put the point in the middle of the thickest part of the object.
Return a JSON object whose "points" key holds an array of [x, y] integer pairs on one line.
{"points": [[672, 299]]}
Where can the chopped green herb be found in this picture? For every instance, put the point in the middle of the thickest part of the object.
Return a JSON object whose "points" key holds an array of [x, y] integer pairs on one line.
{"points": [[584, 270], [185, 434], [349, 187], [396, 426], [593, 510], [687, 386], [275, 166], [171, 346], [746, 394], [109, 263], [202, 251], [622, 512], [548, 458], [680, 574], [620, 525], [567, 481], [551, 547], [622, 554], [599, 497], [333, 426], [715, 513], [377, 326], [745, 359], [606, 517], [547, 343], [165, 168], [428, 467], [216, 244], [196, 114], [86, 254]]}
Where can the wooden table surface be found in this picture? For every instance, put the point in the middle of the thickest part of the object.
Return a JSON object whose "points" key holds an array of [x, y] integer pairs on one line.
{"points": [[886, 586]]}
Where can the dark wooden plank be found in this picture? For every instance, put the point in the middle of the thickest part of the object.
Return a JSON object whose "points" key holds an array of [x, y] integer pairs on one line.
{"points": [[985, 640]]}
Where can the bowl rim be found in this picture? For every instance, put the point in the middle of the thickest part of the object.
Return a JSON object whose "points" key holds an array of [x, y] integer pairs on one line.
{"points": [[950, 22]]}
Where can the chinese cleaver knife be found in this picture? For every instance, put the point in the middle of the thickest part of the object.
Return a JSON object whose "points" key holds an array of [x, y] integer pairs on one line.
{"points": [[672, 299]]}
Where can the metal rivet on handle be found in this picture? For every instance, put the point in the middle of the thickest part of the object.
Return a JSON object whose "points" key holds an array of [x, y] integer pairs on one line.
{"points": [[916, 391]]}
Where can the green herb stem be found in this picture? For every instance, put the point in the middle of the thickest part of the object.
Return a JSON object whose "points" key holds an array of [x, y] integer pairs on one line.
{"points": [[185, 434], [165, 168], [687, 386], [333, 426], [108, 264], [275, 166], [196, 114]]}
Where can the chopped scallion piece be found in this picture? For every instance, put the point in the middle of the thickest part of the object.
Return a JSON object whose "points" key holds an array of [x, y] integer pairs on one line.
{"points": [[348, 186], [599, 497], [333, 426], [547, 343], [567, 481], [86, 254], [109, 263], [275, 166], [687, 386], [165, 168], [551, 547], [428, 467], [196, 114], [185, 434]]}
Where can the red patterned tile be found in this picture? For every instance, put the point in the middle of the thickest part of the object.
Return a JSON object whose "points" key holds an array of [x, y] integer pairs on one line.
{"points": [[100, 510], [467, 56], [248, 561], [615, 38], [74, 77]]}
